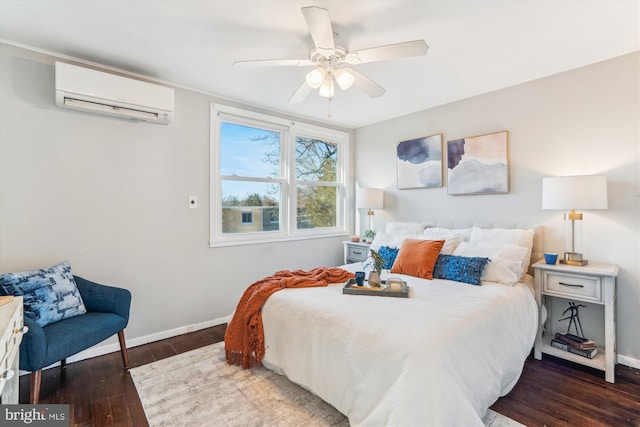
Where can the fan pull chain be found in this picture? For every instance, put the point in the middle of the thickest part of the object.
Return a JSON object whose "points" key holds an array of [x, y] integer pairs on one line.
{"points": [[329, 115]]}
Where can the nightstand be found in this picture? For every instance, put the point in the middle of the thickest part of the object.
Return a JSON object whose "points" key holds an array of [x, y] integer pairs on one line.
{"points": [[592, 283], [355, 251], [11, 331]]}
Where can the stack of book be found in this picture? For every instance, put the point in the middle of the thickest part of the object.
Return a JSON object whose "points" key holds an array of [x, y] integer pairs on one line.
{"points": [[574, 344]]}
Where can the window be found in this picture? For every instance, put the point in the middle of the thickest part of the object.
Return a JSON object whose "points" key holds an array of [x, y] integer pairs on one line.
{"points": [[247, 217], [273, 179]]}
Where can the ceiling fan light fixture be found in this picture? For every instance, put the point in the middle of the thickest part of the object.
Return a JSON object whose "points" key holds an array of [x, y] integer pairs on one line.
{"points": [[315, 77], [326, 88], [344, 77], [331, 62]]}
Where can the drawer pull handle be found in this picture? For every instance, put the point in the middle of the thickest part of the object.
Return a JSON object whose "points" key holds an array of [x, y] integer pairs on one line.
{"points": [[572, 285], [7, 375], [357, 253], [22, 330]]}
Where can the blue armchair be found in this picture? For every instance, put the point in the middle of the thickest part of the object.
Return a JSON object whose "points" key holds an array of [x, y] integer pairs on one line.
{"points": [[107, 314]]}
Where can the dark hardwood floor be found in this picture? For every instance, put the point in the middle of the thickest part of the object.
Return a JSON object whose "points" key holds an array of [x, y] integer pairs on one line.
{"points": [[550, 392]]}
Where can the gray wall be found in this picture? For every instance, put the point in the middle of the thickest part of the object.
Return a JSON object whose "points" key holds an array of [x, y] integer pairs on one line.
{"points": [[110, 196], [581, 122]]}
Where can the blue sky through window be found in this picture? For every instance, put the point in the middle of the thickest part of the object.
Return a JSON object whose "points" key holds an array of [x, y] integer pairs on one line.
{"points": [[243, 152]]}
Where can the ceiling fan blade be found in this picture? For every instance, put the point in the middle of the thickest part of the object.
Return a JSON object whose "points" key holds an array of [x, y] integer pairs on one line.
{"points": [[275, 63], [319, 24], [367, 85], [300, 94], [392, 51]]}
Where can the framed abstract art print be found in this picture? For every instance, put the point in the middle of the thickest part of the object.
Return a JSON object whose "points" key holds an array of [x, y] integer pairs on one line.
{"points": [[420, 162], [478, 164]]}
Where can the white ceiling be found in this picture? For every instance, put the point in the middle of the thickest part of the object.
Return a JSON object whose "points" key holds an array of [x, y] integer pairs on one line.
{"points": [[475, 46]]}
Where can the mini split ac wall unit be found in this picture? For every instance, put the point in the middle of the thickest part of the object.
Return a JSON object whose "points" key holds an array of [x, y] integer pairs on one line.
{"points": [[96, 92]]}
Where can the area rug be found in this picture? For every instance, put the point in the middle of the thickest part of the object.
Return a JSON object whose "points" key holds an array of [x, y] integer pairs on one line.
{"points": [[199, 388]]}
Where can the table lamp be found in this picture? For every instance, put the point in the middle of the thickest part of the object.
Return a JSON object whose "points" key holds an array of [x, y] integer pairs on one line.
{"points": [[571, 193], [370, 199]]}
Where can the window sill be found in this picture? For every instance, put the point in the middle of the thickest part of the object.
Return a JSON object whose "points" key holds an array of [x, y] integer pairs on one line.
{"points": [[250, 241]]}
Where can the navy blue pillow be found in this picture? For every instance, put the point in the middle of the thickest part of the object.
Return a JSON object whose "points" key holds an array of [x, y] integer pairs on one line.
{"points": [[389, 255], [459, 268], [49, 294]]}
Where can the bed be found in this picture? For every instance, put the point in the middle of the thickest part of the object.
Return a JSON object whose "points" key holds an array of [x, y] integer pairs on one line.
{"points": [[440, 357]]}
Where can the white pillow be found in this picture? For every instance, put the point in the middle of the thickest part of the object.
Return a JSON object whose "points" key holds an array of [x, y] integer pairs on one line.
{"points": [[451, 238], [437, 231], [464, 233], [386, 239], [505, 261], [404, 227], [506, 236], [502, 236], [450, 244], [396, 240]]}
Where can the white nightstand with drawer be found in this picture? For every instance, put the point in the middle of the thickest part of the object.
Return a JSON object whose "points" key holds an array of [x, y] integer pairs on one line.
{"points": [[355, 251], [11, 331], [592, 283]]}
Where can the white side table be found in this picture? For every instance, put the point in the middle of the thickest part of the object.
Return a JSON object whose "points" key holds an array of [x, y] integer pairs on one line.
{"points": [[355, 251], [592, 283], [11, 331]]}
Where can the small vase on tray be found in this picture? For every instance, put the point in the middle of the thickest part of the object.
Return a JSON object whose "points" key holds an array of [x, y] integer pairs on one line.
{"points": [[374, 279]]}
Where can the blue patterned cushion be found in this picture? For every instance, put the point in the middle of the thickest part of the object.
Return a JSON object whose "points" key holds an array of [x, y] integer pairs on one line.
{"points": [[389, 255], [49, 295], [459, 268]]}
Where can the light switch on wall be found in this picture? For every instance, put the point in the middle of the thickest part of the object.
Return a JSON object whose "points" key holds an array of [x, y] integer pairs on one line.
{"points": [[193, 202]]}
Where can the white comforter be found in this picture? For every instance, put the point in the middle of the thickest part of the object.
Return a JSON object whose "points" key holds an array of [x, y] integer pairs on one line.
{"points": [[440, 357]]}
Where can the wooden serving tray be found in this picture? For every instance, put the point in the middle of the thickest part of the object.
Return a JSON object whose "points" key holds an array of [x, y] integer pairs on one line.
{"points": [[352, 289]]}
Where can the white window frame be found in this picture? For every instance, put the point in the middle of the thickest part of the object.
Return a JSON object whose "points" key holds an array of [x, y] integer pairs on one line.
{"points": [[288, 184]]}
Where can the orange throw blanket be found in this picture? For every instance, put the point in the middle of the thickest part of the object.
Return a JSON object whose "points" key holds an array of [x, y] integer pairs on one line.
{"points": [[244, 337]]}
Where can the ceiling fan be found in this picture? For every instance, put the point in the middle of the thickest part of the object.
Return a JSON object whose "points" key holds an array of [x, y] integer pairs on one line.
{"points": [[333, 62]]}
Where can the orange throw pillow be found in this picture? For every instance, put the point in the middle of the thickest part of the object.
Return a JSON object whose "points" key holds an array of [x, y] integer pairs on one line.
{"points": [[417, 257]]}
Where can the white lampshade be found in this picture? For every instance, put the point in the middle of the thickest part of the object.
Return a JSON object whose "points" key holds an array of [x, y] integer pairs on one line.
{"points": [[574, 192], [571, 193], [370, 198]]}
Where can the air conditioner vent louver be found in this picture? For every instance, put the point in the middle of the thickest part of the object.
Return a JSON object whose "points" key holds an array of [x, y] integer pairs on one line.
{"points": [[93, 91]]}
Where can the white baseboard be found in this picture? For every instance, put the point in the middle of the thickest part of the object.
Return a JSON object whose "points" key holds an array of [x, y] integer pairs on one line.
{"points": [[101, 349], [629, 361]]}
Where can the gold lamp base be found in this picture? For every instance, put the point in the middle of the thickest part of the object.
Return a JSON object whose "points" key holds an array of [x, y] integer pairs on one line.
{"points": [[573, 258]]}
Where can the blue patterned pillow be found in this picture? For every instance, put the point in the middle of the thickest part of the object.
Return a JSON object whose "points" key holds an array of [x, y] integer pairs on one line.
{"points": [[459, 268], [389, 255], [49, 295]]}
